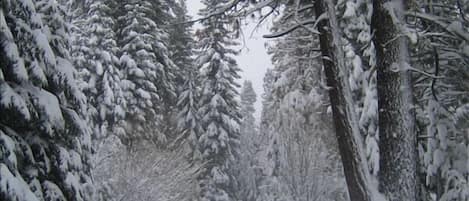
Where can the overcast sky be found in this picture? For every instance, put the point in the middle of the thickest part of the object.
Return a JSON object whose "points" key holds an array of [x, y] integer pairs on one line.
{"points": [[253, 59]]}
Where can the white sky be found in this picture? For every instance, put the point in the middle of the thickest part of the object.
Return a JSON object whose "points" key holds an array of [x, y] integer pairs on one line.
{"points": [[253, 59]]}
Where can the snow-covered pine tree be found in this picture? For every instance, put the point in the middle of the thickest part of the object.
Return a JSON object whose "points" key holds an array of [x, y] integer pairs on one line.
{"points": [[165, 12], [148, 86], [94, 54], [219, 109], [181, 43], [44, 141], [181, 49], [267, 157], [245, 171], [248, 122], [188, 124]]}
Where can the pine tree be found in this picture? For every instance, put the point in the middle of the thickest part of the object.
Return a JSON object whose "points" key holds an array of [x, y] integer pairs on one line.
{"points": [[181, 51], [302, 120], [94, 53], [148, 85], [398, 139], [247, 188], [248, 98], [218, 106], [188, 118], [181, 43], [343, 111], [44, 140], [267, 156]]}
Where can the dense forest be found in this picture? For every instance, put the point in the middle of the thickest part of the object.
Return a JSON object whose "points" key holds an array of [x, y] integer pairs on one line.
{"points": [[128, 100]]}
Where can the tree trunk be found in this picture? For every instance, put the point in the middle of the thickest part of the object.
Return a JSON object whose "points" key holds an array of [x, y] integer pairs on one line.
{"points": [[397, 143], [334, 66]]}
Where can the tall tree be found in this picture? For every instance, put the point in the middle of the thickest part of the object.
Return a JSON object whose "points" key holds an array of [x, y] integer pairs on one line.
{"points": [[95, 56], [146, 66], [245, 172], [342, 103], [299, 119], [181, 43], [188, 124], [181, 51], [44, 140], [219, 108], [349, 141], [267, 156], [398, 148]]}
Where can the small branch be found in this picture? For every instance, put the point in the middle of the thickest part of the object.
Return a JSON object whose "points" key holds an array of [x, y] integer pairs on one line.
{"points": [[437, 69], [461, 11], [299, 10], [299, 25], [424, 73], [440, 23]]}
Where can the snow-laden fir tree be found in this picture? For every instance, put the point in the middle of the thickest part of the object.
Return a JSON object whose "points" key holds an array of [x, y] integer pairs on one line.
{"points": [[248, 122], [148, 86], [181, 44], [95, 56], [267, 157], [181, 48], [44, 141], [245, 165], [219, 110], [189, 127]]}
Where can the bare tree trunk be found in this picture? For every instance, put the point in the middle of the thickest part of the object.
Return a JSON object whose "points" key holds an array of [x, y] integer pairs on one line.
{"points": [[397, 143], [334, 66]]}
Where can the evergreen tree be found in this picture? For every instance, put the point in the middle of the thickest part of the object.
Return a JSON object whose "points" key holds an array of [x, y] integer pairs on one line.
{"points": [[247, 187], [44, 141], [267, 157], [181, 51], [188, 118], [248, 98], [398, 139], [299, 117], [95, 55], [181, 43], [219, 110], [148, 86]]}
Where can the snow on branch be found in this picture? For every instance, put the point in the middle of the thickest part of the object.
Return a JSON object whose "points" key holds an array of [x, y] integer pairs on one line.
{"points": [[243, 11], [298, 25], [454, 28]]}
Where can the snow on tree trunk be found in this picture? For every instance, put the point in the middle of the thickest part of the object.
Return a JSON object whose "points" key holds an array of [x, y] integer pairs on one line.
{"points": [[353, 159], [398, 153]]}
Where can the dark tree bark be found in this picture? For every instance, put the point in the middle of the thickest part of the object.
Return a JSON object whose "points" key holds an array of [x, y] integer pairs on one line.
{"points": [[349, 146], [397, 144]]}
